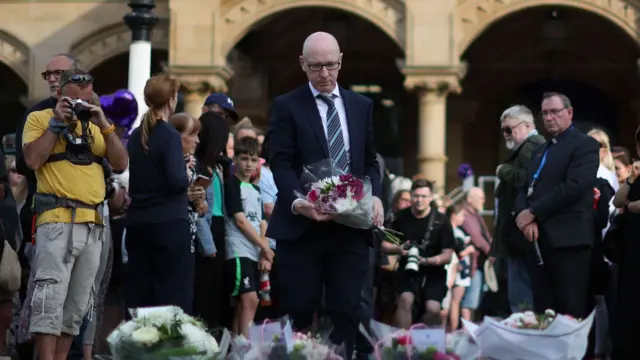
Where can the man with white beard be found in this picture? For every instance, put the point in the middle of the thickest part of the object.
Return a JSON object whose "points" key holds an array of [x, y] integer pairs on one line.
{"points": [[520, 135]]}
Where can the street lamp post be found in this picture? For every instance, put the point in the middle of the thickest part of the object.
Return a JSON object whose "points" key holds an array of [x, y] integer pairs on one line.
{"points": [[141, 20]]}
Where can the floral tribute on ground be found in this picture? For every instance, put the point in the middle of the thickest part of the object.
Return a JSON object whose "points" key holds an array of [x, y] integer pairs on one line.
{"points": [[530, 336], [165, 333], [343, 195], [277, 341], [417, 343]]}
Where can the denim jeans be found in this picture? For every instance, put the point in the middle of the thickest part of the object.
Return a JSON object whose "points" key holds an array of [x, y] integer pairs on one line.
{"points": [[75, 352], [473, 295], [519, 285]]}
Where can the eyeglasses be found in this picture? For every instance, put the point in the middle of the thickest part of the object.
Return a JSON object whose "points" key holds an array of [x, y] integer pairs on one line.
{"points": [[508, 130], [47, 74], [78, 79], [329, 66], [553, 112]]}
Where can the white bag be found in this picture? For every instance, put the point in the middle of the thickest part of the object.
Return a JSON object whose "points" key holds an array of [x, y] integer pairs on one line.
{"points": [[564, 339]]}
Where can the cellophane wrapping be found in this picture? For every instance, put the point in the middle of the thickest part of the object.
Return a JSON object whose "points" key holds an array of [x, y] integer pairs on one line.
{"points": [[166, 333], [336, 192], [564, 339], [268, 341]]}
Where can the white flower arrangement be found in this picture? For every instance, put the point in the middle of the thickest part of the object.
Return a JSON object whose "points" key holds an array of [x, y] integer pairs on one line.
{"points": [[163, 333]]}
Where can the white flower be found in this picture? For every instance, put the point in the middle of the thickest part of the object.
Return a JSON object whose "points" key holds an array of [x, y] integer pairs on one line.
{"points": [[199, 338], [550, 313], [345, 205], [530, 320], [146, 336]]}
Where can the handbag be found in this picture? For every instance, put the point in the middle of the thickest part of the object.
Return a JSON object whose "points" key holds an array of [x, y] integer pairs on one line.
{"points": [[10, 270]]}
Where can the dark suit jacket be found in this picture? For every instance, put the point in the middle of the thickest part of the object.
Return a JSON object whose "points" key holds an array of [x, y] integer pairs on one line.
{"points": [[296, 138], [508, 239], [562, 199]]}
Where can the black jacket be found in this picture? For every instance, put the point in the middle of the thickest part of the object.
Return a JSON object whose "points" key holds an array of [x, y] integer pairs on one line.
{"points": [[508, 240]]}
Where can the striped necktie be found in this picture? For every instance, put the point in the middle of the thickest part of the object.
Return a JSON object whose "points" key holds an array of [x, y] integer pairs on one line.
{"points": [[335, 139]]}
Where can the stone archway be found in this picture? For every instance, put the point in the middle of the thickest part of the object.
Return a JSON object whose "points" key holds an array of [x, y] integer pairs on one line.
{"points": [[114, 40], [15, 54], [473, 17], [240, 17]]}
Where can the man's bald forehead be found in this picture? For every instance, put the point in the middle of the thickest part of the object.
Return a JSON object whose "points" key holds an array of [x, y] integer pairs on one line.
{"points": [[320, 41], [475, 192], [64, 58]]}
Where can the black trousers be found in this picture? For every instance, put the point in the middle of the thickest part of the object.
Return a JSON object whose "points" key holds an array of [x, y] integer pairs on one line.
{"points": [[160, 267], [562, 282], [331, 255]]}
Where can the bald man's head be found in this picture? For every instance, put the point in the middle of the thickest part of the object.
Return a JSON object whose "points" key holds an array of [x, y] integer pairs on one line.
{"points": [[475, 198], [321, 60]]}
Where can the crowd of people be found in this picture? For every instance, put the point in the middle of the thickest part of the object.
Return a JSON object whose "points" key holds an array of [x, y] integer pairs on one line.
{"points": [[186, 211]]}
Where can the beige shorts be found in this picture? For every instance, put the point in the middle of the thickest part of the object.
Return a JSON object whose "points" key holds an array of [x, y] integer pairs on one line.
{"points": [[63, 289]]}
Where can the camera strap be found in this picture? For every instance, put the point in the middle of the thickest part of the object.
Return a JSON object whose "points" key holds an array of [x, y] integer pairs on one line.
{"points": [[77, 152], [432, 222]]}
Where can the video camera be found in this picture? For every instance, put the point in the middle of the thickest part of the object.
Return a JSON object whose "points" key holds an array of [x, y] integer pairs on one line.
{"points": [[415, 248]]}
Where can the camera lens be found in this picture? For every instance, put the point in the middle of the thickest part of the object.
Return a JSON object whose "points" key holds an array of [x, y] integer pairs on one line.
{"points": [[82, 112]]}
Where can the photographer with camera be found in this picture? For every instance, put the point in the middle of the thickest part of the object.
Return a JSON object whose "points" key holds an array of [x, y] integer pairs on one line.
{"points": [[66, 147], [421, 277]]}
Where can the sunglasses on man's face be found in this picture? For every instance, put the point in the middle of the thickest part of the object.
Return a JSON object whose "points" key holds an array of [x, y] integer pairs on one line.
{"points": [[508, 130], [78, 79]]}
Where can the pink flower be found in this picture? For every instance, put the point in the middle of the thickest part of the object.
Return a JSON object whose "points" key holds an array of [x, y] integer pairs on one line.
{"points": [[404, 340], [313, 195]]}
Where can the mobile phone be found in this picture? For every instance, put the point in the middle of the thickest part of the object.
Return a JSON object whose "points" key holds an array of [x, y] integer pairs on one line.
{"points": [[203, 181]]}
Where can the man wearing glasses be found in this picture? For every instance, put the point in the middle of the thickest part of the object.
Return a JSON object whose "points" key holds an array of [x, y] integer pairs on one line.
{"points": [[66, 146], [555, 207], [321, 121], [521, 137], [56, 66]]}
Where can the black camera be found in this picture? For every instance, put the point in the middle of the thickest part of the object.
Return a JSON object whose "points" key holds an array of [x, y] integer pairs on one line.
{"points": [[80, 110]]}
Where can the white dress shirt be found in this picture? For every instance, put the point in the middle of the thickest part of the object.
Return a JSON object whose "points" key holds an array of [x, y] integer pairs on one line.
{"points": [[342, 113], [322, 110]]}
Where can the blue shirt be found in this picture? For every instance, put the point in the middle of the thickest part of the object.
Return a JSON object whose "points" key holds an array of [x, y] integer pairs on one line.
{"points": [[269, 192]]}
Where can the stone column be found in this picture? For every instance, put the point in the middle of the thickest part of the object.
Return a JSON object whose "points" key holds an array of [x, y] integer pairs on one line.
{"points": [[198, 82], [432, 87], [141, 20]]}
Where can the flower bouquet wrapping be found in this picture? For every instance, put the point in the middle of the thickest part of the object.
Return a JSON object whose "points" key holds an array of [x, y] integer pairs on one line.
{"points": [[277, 341], [530, 336], [417, 343], [165, 333], [343, 195]]}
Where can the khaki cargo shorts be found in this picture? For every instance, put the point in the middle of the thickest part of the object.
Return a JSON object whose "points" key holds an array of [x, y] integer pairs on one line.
{"points": [[64, 289]]}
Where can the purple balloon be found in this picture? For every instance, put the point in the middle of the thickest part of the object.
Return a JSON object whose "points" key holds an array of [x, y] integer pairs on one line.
{"points": [[464, 171], [120, 107]]}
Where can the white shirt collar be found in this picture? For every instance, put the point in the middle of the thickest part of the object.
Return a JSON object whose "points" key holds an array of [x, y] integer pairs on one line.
{"points": [[315, 92]]}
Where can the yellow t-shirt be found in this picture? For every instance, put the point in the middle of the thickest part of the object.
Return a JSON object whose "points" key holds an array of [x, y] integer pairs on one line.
{"points": [[65, 180]]}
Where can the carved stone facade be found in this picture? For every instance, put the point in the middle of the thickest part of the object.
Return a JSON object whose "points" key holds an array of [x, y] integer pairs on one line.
{"points": [[472, 17], [200, 37], [104, 44]]}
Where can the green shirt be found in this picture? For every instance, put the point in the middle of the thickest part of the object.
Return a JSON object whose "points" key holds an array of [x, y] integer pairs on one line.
{"points": [[216, 207]]}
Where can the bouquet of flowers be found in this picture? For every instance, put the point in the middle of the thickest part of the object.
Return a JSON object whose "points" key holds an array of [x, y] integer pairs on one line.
{"points": [[417, 343], [343, 195], [530, 336], [165, 333], [277, 341]]}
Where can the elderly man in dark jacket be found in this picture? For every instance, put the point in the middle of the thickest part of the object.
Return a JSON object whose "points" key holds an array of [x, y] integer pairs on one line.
{"points": [[521, 137]]}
